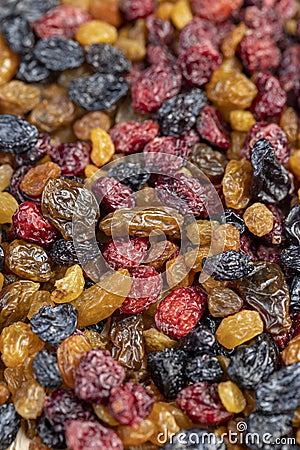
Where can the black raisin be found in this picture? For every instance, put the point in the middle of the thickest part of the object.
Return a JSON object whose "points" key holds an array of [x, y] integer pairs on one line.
{"points": [[1, 258], [295, 293], [204, 368], [227, 266], [231, 217], [292, 225], [179, 114], [59, 54], [195, 439], [9, 425], [49, 436], [16, 134], [31, 70], [251, 364], [63, 253], [200, 340], [31, 10], [53, 324], [99, 326], [106, 58], [18, 34], [46, 369], [290, 257], [132, 175]]}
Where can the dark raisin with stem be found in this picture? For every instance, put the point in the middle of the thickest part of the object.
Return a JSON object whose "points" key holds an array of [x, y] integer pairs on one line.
{"points": [[228, 266], [167, 371], [209, 161], [17, 33], [231, 217], [271, 182], [290, 257], [292, 225], [30, 9], [133, 175], [49, 436], [196, 31], [281, 391], [16, 134], [63, 253], [63, 405], [31, 70], [34, 154], [111, 194], [126, 254], [130, 403], [179, 114], [202, 404], [295, 294], [160, 31], [253, 363], [131, 137], [200, 340], [154, 86], [96, 375], [53, 324], [45, 369], [203, 367], [106, 58], [59, 54], [97, 92], [71, 157], [212, 128], [271, 98], [10, 422], [205, 440], [259, 54], [166, 154], [136, 9]]}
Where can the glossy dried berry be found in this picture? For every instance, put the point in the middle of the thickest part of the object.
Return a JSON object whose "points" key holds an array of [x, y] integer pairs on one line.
{"points": [[136, 9], [290, 257], [106, 58], [292, 225], [46, 370], [211, 127], [96, 375], [59, 54], [271, 98], [131, 137], [88, 435], [71, 157], [54, 324], [16, 134], [17, 33], [10, 422], [133, 175], [111, 194], [258, 219], [209, 161], [223, 302], [204, 367], [37, 177], [199, 341], [167, 371], [178, 313], [63, 253], [228, 266], [97, 92]]}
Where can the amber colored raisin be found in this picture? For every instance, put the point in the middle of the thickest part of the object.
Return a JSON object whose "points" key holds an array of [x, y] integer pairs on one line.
{"points": [[159, 253], [294, 163], [19, 98], [239, 328], [241, 120], [8, 206], [53, 113], [70, 286], [29, 399], [225, 237], [137, 435], [181, 14], [236, 184], [193, 258], [96, 32], [231, 397], [6, 172], [223, 302], [157, 341], [201, 231], [258, 219], [90, 170], [104, 415], [95, 119], [164, 421], [178, 274], [215, 11], [289, 123], [237, 139], [9, 62], [106, 10], [208, 283], [36, 178], [291, 354], [83, 4], [4, 393], [69, 353], [39, 299], [232, 40], [102, 147]]}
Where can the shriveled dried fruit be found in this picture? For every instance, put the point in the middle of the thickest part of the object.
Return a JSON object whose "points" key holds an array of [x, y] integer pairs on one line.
{"points": [[228, 266], [82, 127], [70, 286], [236, 183], [96, 32], [69, 354], [225, 237], [231, 397], [52, 113], [102, 147], [223, 302], [9, 424], [8, 206], [18, 98], [36, 178], [241, 120], [216, 12], [157, 341], [258, 219], [46, 369], [29, 409], [84, 434]]}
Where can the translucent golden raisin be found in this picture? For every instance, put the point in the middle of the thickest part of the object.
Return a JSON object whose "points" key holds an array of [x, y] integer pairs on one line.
{"points": [[39, 299], [294, 163], [90, 170], [239, 328], [8, 206], [36, 178], [102, 412], [236, 183], [156, 341], [289, 123], [223, 302], [178, 274], [194, 258], [17, 97], [291, 354], [208, 283], [69, 353], [164, 11], [137, 435], [14, 378], [95, 119], [237, 139], [29, 399], [258, 219], [6, 172], [70, 286], [83, 4], [4, 393], [231, 396], [225, 237], [102, 147], [241, 120], [9, 62], [96, 339], [96, 32], [232, 40], [53, 113], [181, 14], [134, 50], [164, 421], [106, 10], [200, 232]]}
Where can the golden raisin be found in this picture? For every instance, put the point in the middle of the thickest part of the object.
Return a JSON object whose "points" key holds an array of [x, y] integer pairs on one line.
{"points": [[96, 32], [225, 237], [69, 353], [194, 258], [241, 120], [39, 299], [164, 421], [8, 206], [106, 10], [291, 354], [231, 396], [83, 4], [208, 283], [232, 40], [237, 139], [164, 11], [96, 339], [29, 399], [17, 97], [178, 274], [239, 328], [134, 50], [157, 341], [137, 435], [36, 178], [96, 119], [6, 172], [70, 286], [102, 412], [90, 170], [289, 123], [236, 183], [1, 281], [223, 302], [181, 14], [4, 393], [258, 219], [294, 163], [102, 147], [201, 231], [9, 62]]}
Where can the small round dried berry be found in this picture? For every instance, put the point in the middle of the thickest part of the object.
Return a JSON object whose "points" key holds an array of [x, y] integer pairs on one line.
{"points": [[49, 436], [271, 98], [96, 375], [131, 137], [91, 435], [111, 194], [106, 58], [259, 53], [59, 54], [71, 157], [180, 311], [126, 254], [259, 219], [212, 128], [130, 404]]}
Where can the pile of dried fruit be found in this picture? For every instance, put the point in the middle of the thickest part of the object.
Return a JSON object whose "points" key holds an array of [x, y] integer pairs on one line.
{"points": [[150, 224]]}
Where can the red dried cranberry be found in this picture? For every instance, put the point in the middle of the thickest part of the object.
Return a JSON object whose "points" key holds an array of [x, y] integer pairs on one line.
{"points": [[111, 194], [160, 32], [125, 254], [196, 31], [145, 290], [91, 435], [282, 339], [202, 404], [270, 254], [197, 63], [264, 21], [212, 128], [30, 224], [154, 86], [259, 53], [96, 375], [191, 138], [277, 234], [130, 404], [63, 405], [166, 154], [215, 11], [157, 54], [286, 9], [131, 137], [227, 27], [137, 9], [41, 148], [246, 246], [180, 311], [72, 157], [273, 133], [271, 98], [61, 21]]}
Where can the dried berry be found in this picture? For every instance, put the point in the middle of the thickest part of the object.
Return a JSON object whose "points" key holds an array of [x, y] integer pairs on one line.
{"points": [[259, 54], [125, 254], [230, 216], [196, 31], [166, 154], [54, 324], [33, 390], [204, 367], [216, 12], [211, 127], [209, 161], [290, 257], [59, 54], [231, 397], [223, 302], [36, 153], [32, 70], [72, 158], [106, 58], [258, 219], [228, 266], [46, 370], [17, 33], [167, 371], [49, 436], [88, 435], [9, 425], [271, 98], [16, 135], [132, 175], [200, 340], [63, 253], [111, 194], [131, 137], [96, 375], [136, 9], [292, 225]]}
